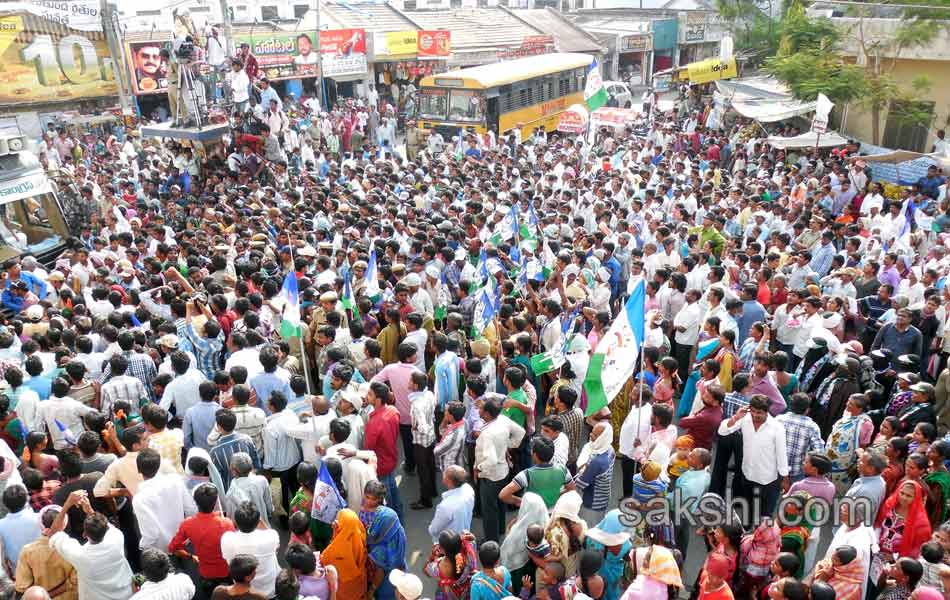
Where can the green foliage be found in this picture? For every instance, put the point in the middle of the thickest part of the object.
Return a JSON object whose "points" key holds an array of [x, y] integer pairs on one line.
{"points": [[810, 72]]}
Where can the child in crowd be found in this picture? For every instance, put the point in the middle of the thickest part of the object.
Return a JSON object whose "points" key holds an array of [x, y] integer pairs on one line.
{"points": [[679, 463], [299, 524], [535, 543], [931, 559], [902, 578]]}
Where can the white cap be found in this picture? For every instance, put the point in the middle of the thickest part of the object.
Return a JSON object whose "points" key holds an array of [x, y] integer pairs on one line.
{"points": [[408, 585]]}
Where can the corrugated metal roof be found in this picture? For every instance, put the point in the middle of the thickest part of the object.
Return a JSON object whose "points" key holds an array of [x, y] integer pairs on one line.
{"points": [[568, 37], [476, 28], [371, 16]]}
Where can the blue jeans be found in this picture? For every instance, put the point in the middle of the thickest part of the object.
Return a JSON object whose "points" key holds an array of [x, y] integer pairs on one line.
{"points": [[393, 500]]}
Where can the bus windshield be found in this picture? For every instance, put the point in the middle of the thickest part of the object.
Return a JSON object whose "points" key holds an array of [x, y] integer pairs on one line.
{"points": [[433, 103], [25, 225], [466, 105]]}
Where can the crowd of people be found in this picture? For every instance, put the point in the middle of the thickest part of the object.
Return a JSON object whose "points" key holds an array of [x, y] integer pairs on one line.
{"points": [[219, 387]]}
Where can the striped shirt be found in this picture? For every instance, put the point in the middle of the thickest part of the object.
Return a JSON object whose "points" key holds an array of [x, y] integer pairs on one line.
{"points": [[122, 387], [450, 450], [207, 351], [595, 479], [281, 452], [141, 366], [226, 447]]}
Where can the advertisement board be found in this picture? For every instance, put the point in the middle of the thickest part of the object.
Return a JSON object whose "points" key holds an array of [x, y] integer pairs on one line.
{"points": [[42, 61], [75, 14], [394, 43], [283, 55], [711, 69], [148, 71], [435, 43], [343, 52]]}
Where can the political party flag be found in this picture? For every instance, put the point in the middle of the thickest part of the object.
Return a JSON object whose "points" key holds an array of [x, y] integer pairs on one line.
{"points": [[486, 305], [548, 259], [348, 301], [290, 317], [67, 433], [135, 320], [442, 299], [506, 228], [595, 94], [548, 361], [371, 276], [615, 358], [327, 500]]}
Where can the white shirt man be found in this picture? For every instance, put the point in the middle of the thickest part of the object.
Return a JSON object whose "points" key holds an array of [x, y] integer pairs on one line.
{"points": [[160, 505], [101, 568], [492, 445], [183, 391], [66, 412], [262, 544], [689, 318], [764, 454]]}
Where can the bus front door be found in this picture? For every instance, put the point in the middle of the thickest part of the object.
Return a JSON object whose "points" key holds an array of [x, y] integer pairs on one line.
{"points": [[491, 114]]}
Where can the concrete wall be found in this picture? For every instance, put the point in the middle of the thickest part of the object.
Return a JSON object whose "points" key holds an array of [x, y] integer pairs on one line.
{"points": [[857, 122]]}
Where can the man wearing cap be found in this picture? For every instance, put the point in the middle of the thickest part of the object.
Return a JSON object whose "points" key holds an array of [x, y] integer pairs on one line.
{"points": [[921, 409]]}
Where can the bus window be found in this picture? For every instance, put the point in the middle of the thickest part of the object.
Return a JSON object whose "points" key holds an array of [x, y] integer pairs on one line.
{"points": [[24, 225], [466, 105], [433, 104]]}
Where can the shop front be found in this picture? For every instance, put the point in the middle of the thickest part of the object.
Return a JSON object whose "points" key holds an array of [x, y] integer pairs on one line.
{"points": [[400, 59], [343, 59], [699, 37], [633, 58]]}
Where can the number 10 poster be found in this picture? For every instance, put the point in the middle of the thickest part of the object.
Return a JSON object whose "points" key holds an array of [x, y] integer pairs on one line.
{"points": [[42, 60]]}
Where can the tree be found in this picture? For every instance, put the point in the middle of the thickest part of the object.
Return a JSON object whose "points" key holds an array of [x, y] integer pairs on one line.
{"points": [[856, 63], [751, 24]]}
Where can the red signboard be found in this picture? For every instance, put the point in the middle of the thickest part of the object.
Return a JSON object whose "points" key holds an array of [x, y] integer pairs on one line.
{"points": [[342, 42], [343, 52], [435, 43]]}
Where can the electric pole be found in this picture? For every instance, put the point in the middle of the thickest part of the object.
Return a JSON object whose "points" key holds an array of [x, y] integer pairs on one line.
{"points": [[120, 73], [228, 42], [323, 96]]}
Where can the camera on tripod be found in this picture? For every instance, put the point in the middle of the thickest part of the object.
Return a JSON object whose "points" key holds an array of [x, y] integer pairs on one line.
{"points": [[185, 51]]}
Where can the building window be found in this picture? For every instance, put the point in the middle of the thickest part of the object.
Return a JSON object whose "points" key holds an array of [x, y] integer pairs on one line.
{"points": [[409, 5], [908, 125], [148, 13], [200, 9], [269, 13], [300, 10]]}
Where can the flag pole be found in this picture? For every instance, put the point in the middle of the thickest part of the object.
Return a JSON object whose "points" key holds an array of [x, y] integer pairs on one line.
{"points": [[303, 346], [640, 394]]}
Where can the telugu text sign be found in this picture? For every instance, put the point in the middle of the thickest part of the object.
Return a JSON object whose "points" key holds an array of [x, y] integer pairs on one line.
{"points": [[283, 55], [343, 52]]}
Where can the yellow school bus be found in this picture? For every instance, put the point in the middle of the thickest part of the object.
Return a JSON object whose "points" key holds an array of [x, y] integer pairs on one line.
{"points": [[524, 94]]}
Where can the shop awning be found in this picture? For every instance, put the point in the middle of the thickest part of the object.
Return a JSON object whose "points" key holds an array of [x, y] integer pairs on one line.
{"points": [[574, 119], [770, 111], [891, 158], [807, 140]]}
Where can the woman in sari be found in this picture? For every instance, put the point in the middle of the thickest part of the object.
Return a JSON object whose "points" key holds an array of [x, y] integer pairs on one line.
{"points": [[492, 581], [849, 434], [610, 539], [844, 572], [566, 531], [347, 554], [728, 359], [706, 347], [514, 554], [656, 575], [385, 540], [795, 527], [787, 383], [938, 481], [453, 563], [902, 523]]}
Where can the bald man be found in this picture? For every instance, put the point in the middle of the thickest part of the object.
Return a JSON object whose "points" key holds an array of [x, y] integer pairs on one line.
{"points": [[35, 593], [454, 511]]}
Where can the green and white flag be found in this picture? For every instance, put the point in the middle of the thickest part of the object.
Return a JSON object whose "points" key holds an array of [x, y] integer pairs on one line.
{"points": [[595, 94], [506, 228], [615, 359], [548, 259], [548, 361]]}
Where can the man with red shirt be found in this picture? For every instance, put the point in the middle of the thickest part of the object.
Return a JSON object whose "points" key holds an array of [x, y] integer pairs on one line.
{"points": [[703, 424], [381, 436], [204, 531]]}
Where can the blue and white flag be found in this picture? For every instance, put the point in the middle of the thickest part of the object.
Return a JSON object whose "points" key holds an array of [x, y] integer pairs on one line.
{"points": [[327, 500], [486, 306]]}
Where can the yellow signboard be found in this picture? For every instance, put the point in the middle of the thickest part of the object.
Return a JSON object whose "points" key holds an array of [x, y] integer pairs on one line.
{"points": [[52, 64], [401, 42], [711, 69]]}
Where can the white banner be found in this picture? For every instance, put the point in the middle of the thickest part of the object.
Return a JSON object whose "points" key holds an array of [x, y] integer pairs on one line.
{"points": [[77, 14], [33, 184]]}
